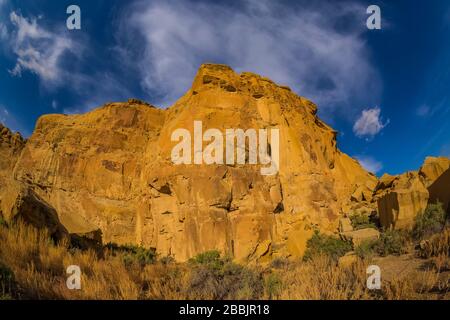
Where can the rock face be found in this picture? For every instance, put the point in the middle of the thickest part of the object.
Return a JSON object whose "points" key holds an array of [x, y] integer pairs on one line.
{"points": [[440, 190], [405, 199], [11, 146], [108, 176], [18, 200], [401, 198], [111, 169], [433, 168]]}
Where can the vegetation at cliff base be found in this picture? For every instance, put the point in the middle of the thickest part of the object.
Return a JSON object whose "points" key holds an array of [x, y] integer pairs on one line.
{"points": [[34, 267], [331, 246], [430, 221]]}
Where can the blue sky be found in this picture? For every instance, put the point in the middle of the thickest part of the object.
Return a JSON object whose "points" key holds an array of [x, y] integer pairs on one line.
{"points": [[386, 91]]}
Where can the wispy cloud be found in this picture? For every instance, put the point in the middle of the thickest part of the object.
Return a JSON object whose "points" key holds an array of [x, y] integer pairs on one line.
{"points": [[42, 50], [369, 163], [306, 46], [39, 50], [3, 28], [369, 123], [8, 119], [427, 110]]}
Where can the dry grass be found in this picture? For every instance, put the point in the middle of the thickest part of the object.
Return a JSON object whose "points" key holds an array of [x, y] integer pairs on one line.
{"points": [[39, 268], [436, 245]]}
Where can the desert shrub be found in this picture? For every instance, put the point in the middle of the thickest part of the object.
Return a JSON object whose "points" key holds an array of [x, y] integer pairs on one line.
{"points": [[36, 267], [430, 221], [167, 260], [273, 285], [281, 263], [392, 242], [132, 254], [361, 221], [320, 244], [436, 245], [213, 277], [7, 282], [211, 259], [140, 255], [366, 250], [321, 278]]}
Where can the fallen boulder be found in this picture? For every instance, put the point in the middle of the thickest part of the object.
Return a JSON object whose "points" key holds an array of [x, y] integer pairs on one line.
{"points": [[362, 235]]}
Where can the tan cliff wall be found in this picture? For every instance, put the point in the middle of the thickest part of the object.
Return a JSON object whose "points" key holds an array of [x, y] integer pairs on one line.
{"points": [[111, 169], [401, 198]]}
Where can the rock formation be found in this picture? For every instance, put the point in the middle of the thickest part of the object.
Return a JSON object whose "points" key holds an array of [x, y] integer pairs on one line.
{"points": [[402, 197], [18, 200], [111, 170]]}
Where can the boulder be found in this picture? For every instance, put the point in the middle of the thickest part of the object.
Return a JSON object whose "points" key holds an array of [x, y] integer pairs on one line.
{"points": [[400, 204], [348, 260], [385, 181], [362, 193], [29, 208], [362, 235], [345, 225]]}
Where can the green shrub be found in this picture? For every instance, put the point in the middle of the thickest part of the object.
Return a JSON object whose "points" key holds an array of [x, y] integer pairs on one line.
{"points": [[2, 222], [141, 255], [361, 221], [392, 242], [132, 254], [281, 263], [430, 221], [366, 249], [209, 258], [327, 245], [273, 285], [213, 277]]}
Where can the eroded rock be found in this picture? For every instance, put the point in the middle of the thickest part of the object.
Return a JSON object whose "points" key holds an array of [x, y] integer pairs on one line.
{"points": [[110, 169]]}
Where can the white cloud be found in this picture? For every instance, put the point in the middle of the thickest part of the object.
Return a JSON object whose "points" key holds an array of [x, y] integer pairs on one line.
{"points": [[369, 163], [369, 123], [41, 50], [38, 50], [297, 45]]}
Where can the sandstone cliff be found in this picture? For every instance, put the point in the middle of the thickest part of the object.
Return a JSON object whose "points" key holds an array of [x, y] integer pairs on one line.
{"points": [[400, 198], [111, 169], [18, 200]]}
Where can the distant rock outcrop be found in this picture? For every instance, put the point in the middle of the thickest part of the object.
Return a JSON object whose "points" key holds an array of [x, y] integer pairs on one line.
{"points": [[402, 197]]}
